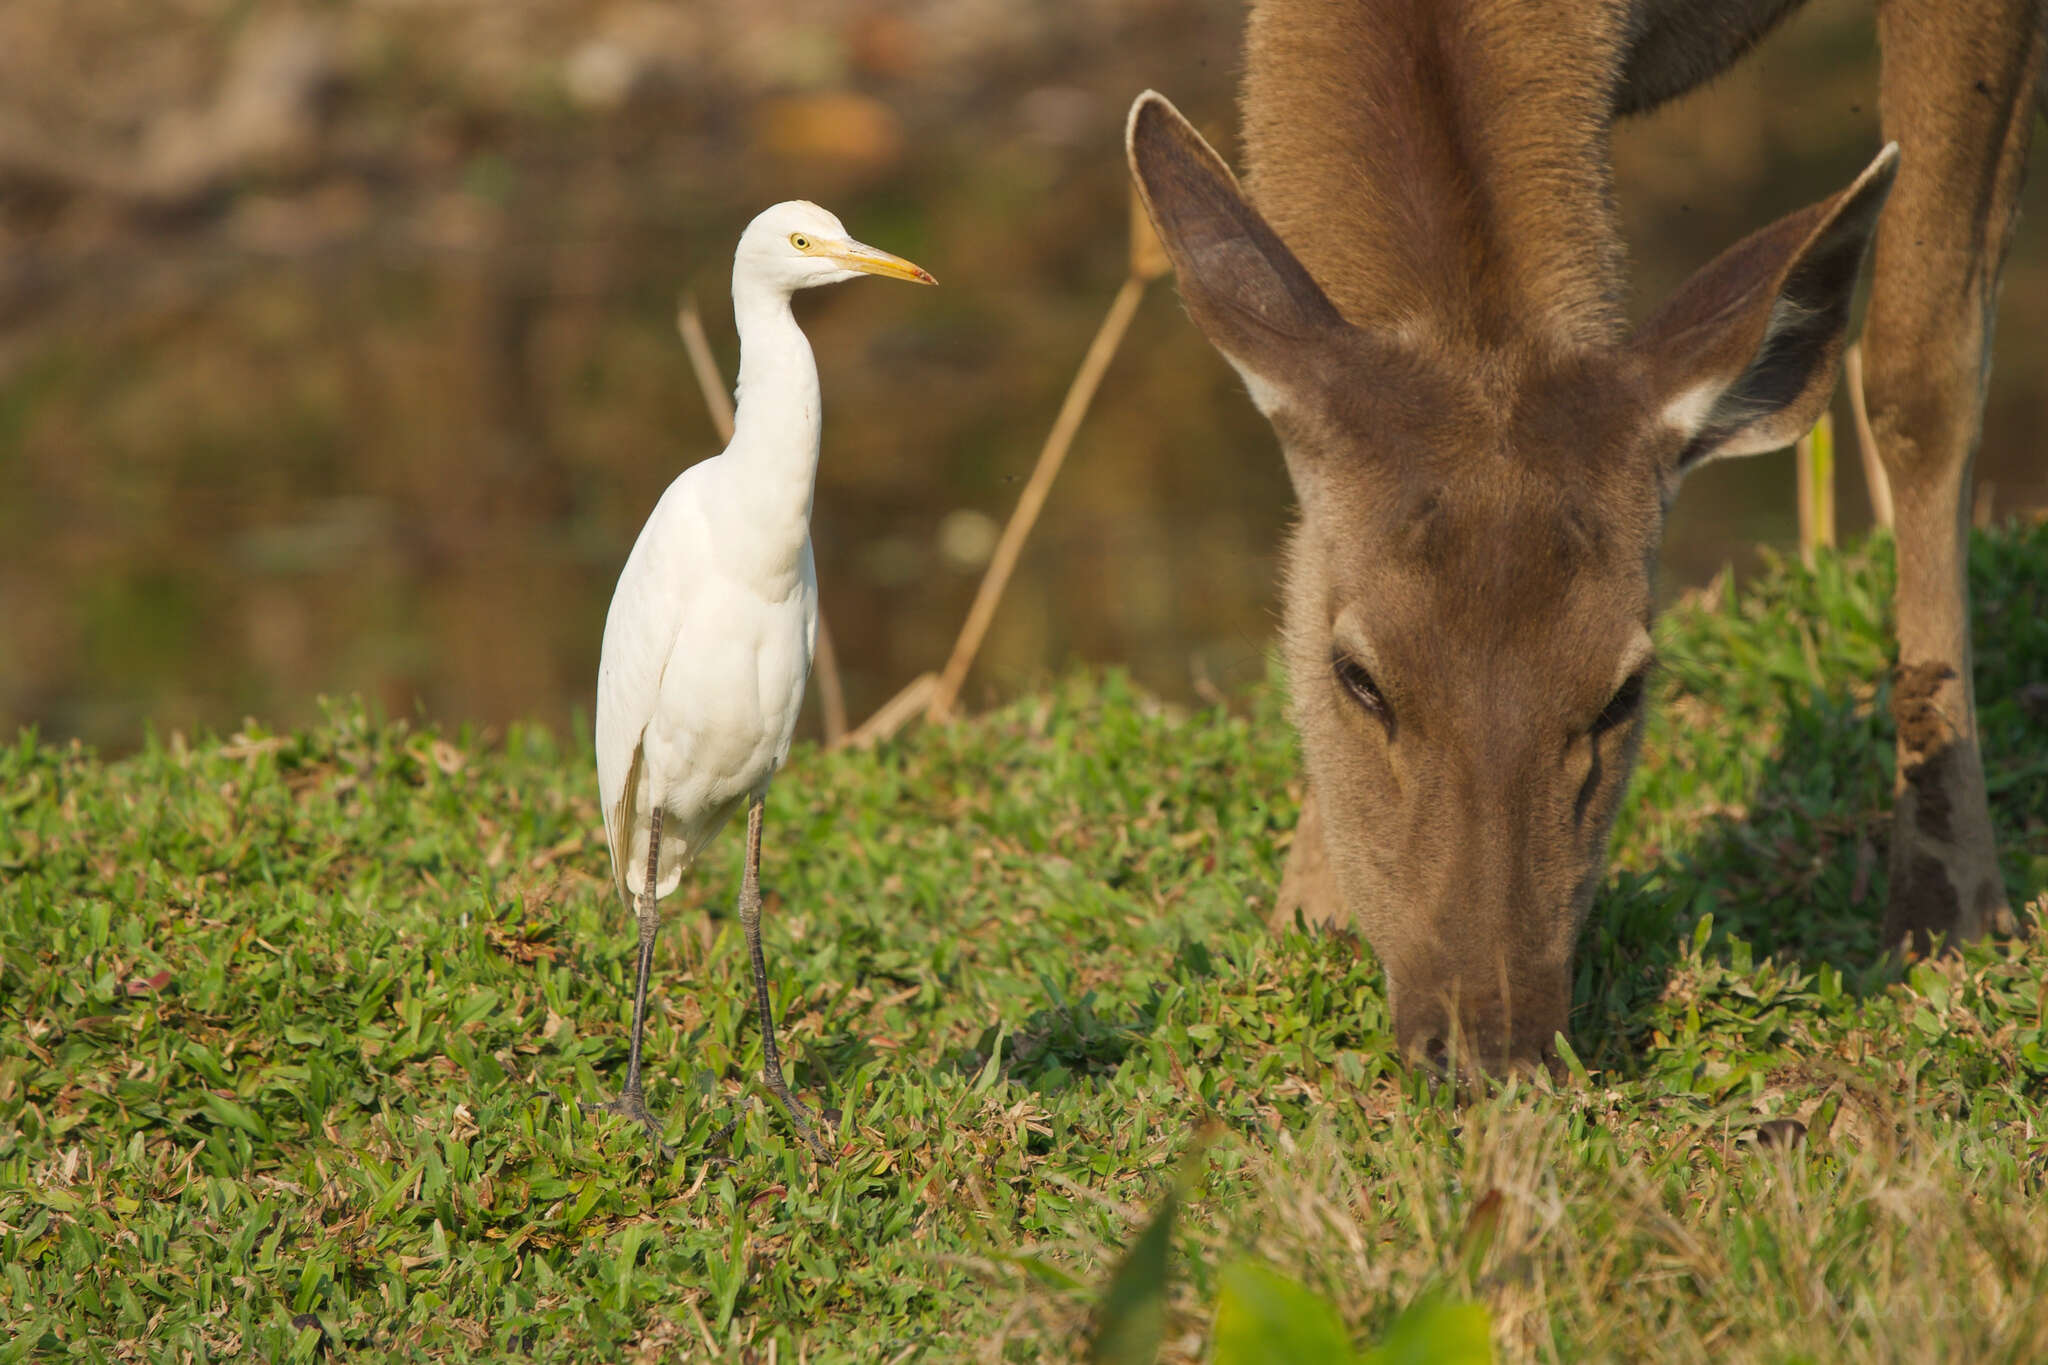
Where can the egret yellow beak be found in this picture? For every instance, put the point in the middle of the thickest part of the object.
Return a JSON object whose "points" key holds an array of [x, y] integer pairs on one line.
{"points": [[869, 261]]}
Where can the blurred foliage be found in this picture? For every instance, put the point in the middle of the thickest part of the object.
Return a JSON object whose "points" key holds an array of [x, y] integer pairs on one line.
{"points": [[336, 343], [1263, 1317]]}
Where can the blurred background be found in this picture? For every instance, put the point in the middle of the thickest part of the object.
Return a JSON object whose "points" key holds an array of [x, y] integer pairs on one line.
{"points": [[338, 352]]}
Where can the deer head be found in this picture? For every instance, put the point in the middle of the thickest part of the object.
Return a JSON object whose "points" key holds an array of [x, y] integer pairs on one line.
{"points": [[1468, 590]]}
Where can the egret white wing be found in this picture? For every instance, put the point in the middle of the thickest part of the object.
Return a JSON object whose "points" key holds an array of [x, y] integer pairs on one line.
{"points": [[648, 609]]}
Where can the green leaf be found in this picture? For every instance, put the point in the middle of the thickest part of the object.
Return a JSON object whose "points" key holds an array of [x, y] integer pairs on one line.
{"points": [[992, 1070], [230, 1114], [1264, 1318], [1132, 1320], [1571, 1060], [61, 1200], [1436, 1332]]}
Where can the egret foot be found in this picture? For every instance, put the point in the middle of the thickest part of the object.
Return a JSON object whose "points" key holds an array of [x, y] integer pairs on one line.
{"points": [[732, 1125], [631, 1105], [800, 1117]]}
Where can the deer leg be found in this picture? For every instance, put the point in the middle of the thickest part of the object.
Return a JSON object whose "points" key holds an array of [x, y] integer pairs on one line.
{"points": [[1309, 885], [1958, 95], [750, 922]]}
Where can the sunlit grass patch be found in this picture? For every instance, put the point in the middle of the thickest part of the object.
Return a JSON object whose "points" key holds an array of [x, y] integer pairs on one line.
{"points": [[293, 1027]]}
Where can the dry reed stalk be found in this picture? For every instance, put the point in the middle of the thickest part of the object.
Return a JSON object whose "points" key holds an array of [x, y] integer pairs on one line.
{"points": [[1814, 461], [717, 399], [1866, 440], [831, 694], [894, 714], [1824, 448], [689, 322], [1147, 262], [1802, 491]]}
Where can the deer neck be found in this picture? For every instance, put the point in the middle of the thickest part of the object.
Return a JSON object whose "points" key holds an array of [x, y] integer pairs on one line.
{"points": [[1440, 166]]}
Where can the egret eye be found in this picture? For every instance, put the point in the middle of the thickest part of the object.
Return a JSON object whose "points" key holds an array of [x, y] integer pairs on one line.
{"points": [[799, 241], [1359, 686]]}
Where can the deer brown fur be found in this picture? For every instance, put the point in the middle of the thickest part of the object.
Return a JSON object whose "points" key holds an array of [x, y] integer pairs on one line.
{"points": [[1422, 286]]}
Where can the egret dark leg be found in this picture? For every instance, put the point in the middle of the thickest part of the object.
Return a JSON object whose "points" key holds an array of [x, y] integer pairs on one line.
{"points": [[631, 1103], [750, 922]]}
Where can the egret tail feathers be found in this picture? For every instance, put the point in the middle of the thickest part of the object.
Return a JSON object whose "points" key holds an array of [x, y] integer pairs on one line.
{"points": [[619, 819], [625, 833]]}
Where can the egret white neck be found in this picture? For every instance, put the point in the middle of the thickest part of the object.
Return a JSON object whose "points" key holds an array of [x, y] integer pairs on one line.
{"points": [[777, 423]]}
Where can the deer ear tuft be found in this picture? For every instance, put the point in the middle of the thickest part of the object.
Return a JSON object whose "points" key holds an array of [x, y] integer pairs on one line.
{"points": [[1745, 353], [1243, 287]]}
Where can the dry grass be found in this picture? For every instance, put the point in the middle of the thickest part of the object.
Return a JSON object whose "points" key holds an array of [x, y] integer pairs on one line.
{"points": [[1923, 1242]]}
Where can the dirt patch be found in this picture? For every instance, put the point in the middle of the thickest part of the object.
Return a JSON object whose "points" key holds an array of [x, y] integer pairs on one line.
{"points": [[1925, 735], [1915, 690], [1930, 782]]}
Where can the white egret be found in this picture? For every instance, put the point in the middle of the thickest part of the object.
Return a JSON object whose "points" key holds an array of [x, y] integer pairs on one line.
{"points": [[708, 642]]}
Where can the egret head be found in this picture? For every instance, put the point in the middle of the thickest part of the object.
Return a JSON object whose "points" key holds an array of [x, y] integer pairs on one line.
{"points": [[797, 245]]}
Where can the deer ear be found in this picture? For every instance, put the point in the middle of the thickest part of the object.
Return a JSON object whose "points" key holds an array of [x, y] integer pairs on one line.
{"points": [[1243, 287], [1743, 356]]}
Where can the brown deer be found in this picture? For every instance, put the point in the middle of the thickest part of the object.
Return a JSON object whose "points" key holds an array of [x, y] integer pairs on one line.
{"points": [[1422, 288]]}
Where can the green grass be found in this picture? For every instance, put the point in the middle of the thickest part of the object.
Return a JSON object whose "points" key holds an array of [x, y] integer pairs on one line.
{"points": [[285, 1017]]}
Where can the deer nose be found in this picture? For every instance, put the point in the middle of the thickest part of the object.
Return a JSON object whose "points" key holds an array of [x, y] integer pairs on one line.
{"points": [[1510, 1057], [1480, 1035], [1436, 1053]]}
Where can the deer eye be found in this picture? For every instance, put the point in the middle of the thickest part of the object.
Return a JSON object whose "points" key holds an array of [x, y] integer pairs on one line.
{"points": [[1622, 706], [1359, 686]]}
